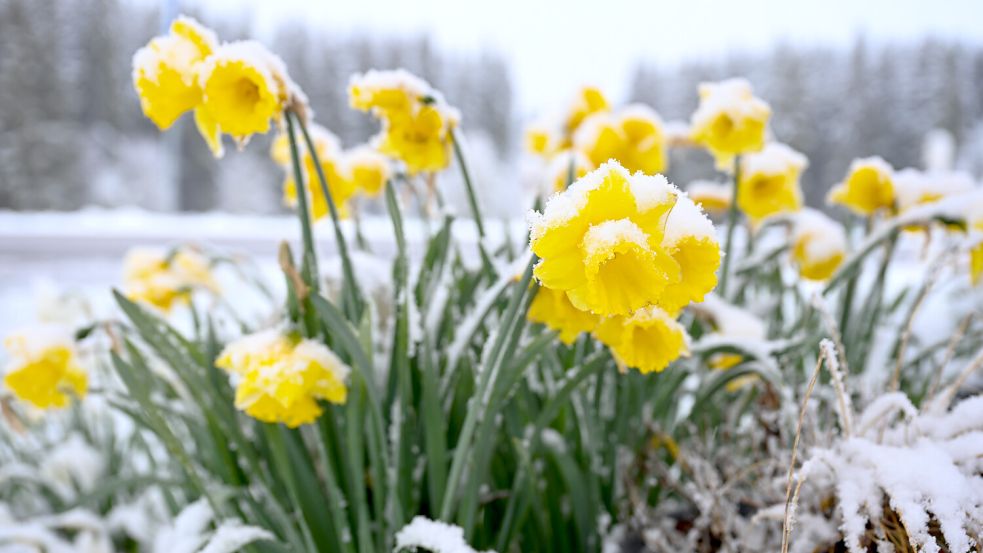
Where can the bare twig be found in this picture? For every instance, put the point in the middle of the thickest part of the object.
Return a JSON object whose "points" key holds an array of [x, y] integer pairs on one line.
{"points": [[787, 522]]}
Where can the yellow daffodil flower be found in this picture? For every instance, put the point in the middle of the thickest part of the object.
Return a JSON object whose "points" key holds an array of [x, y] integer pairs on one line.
{"points": [[161, 280], [43, 369], [818, 244], [369, 170], [609, 242], [647, 340], [730, 120], [588, 101], [634, 136], [553, 309], [769, 182], [165, 71], [868, 187], [245, 87], [417, 122], [280, 378]]}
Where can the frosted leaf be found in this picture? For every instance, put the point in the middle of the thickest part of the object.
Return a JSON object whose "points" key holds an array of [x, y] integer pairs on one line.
{"points": [[232, 536], [731, 320], [432, 535]]}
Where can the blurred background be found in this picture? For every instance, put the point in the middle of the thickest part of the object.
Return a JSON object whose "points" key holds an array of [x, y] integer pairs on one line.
{"points": [[845, 79], [84, 176]]}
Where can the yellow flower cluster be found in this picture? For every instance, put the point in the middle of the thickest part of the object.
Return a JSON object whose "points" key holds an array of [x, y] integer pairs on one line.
{"points": [[417, 124], [730, 120], [43, 368], [589, 133], [818, 244], [769, 182], [360, 170], [280, 378], [867, 188], [633, 136], [163, 279], [630, 250], [234, 88]]}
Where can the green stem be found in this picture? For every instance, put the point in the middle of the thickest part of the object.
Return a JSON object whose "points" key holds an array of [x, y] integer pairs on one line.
{"points": [[350, 290], [731, 223], [468, 185], [486, 385], [309, 259]]}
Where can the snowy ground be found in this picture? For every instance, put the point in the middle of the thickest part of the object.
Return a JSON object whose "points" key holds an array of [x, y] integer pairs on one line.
{"points": [[47, 256]]}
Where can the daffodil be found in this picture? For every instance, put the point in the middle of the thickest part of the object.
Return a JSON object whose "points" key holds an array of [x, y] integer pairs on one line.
{"points": [[540, 140], [818, 244], [976, 263], [647, 340], [280, 378], [369, 169], [730, 120], [43, 369], [712, 197], [336, 171], [610, 243], [691, 240], [417, 124], [165, 71], [588, 101], [384, 92], [634, 136], [421, 138], [769, 181], [868, 187], [553, 308], [244, 88], [975, 226], [160, 279]]}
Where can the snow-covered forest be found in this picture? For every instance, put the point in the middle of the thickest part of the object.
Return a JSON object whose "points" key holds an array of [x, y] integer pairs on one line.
{"points": [[71, 132]]}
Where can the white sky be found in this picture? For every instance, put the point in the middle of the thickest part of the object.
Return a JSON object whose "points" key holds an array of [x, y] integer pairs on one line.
{"points": [[556, 45]]}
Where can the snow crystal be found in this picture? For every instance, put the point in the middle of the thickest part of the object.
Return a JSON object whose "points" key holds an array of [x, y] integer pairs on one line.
{"points": [[232, 536], [687, 219], [564, 206], [608, 234], [432, 535], [775, 158], [651, 191]]}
